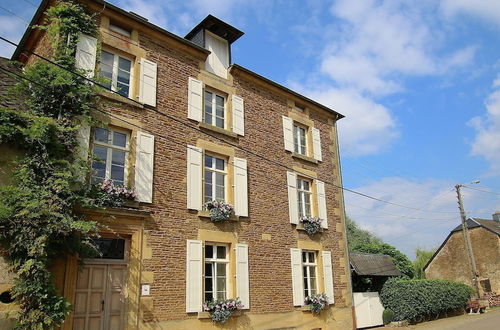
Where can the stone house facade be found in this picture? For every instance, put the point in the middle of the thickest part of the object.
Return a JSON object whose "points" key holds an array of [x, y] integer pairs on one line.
{"points": [[186, 126], [450, 260]]}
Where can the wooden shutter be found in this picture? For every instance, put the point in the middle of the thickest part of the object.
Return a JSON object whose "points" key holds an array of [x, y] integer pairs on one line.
{"points": [[194, 177], [240, 187], [86, 51], [242, 277], [288, 133], [83, 138], [195, 99], [321, 197], [297, 280], [194, 276], [316, 144], [144, 167], [238, 115], [147, 92], [291, 179], [328, 275], [218, 60]]}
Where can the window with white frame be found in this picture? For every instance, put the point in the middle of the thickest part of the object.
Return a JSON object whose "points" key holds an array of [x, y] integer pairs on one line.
{"points": [[214, 113], [216, 272], [304, 197], [309, 272], [110, 148], [300, 139], [215, 176], [117, 70]]}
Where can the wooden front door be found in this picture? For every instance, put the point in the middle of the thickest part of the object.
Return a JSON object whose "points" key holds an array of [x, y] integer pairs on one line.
{"points": [[99, 298]]}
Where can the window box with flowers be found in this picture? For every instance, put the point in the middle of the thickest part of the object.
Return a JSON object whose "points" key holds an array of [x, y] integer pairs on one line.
{"points": [[106, 194], [316, 303], [219, 211], [221, 310], [312, 225]]}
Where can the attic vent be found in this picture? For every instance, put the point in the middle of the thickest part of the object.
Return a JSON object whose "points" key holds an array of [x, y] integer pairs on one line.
{"points": [[138, 16]]}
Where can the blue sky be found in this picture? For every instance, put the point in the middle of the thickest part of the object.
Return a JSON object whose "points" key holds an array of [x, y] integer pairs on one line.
{"points": [[418, 81]]}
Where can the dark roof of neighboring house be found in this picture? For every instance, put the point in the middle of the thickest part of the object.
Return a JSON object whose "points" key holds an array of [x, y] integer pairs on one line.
{"points": [[7, 81], [490, 225], [218, 27], [365, 264]]}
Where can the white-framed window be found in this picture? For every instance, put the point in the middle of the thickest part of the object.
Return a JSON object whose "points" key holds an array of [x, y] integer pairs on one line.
{"points": [[117, 70], [300, 139], [216, 272], [304, 194], [215, 176], [215, 109], [110, 148], [309, 272]]}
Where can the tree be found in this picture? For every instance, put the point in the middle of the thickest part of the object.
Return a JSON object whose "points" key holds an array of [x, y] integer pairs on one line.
{"points": [[357, 236], [422, 256]]}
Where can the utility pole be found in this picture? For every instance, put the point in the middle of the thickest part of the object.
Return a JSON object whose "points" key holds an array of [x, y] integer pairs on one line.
{"points": [[468, 245]]}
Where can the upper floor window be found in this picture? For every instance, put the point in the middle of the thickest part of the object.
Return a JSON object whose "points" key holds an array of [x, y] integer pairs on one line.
{"points": [[300, 139], [215, 178], [304, 197], [117, 70], [309, 268], [110, 150], [216, 265], [119, 29], [214, 109]]}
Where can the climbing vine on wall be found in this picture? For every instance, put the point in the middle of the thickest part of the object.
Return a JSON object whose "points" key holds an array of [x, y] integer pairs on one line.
{"points": [[38, 221]]}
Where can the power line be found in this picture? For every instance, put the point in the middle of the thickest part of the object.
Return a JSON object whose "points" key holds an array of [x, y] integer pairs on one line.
{"points": [[481, 190], [221, 139]]}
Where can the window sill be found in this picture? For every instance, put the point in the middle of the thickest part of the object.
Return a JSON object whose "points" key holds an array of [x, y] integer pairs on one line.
{"points": [[305, 309], [217, 130], [206, 214], [206, 315], [300, 226], [305, 158], [122, 99]]}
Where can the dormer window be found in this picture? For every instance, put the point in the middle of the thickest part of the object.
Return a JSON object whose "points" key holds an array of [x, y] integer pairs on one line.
{"points": [[118, 29], [218, 60]]}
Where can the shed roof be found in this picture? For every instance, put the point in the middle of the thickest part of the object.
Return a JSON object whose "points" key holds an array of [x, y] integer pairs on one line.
{"points": [[365, 264]]}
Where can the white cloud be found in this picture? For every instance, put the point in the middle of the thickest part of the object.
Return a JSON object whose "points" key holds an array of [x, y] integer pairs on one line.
{"points": [[487, 139], [488, 10], [368, 127], [406, 228]]}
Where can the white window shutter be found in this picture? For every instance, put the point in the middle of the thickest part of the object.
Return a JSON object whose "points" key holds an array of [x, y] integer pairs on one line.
{"points": [[86, 51], [194, 274], [288, 133], [238, 115], [328, 275], [218, 60], [320, 191], [240, 187], [195, 99], [144, 167], [147, 91], [194, 178], [293, 207], [316, 144], [83, 138], [297, 279], [242, 277]]}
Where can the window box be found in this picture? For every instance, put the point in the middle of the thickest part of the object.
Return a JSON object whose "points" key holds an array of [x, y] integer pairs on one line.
{"points": [[207, 316], [206, 214], [217, 130], [305, 158]]}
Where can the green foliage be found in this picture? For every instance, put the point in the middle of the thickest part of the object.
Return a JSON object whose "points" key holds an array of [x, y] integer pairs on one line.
{"points": [[415, 300], [387, 316], [403, 264], [357, 236], [37, 214], [421, 258]]}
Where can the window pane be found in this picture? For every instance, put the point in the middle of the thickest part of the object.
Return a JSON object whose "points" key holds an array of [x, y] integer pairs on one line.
{"points": [[124, 64], [219, 122], [221, 295], [208, 193], [123, 77], [311, 257], [208, 269], [208, 283], [219, 164], [122, 89], [221, 284], [118, 157], [219, 179], [106, 67], [221, 253], [219, 193], [304, 256], [219, 101], [117, 174], [101, 135], [208, 161], [209, 251], [209, 296], [208, 107], [119, 139], [305, 184]]}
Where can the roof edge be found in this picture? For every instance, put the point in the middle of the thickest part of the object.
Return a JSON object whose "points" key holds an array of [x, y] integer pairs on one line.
{"points": [[285, 89]]}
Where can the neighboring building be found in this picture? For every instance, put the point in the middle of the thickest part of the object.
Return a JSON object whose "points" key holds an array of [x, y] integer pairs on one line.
{"points": [[164, 258], [370, 271], [450, 260]]}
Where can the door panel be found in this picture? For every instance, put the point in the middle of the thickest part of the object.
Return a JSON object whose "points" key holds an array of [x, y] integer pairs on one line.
{"points": [[115, 297]]}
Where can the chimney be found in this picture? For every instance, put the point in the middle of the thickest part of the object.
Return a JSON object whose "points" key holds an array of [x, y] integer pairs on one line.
{"points": [[496, 216]]}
